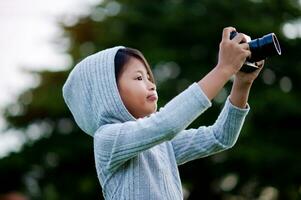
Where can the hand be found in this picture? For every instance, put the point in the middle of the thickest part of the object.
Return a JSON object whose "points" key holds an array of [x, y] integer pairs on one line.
{"points": [[233, 53], [248, 78], [242, 85]]}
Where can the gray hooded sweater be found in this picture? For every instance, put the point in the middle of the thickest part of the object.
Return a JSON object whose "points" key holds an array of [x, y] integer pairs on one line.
{"points": [[136, 159]]}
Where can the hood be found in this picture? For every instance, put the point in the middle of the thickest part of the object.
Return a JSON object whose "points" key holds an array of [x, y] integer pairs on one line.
{"points": [[91, 92]]}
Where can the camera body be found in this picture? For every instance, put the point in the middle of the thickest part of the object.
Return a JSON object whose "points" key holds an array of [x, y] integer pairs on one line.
{"points": [[261, 48]]}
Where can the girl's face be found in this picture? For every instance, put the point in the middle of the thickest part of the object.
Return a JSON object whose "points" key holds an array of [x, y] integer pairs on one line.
{"points": [[137, 92]]}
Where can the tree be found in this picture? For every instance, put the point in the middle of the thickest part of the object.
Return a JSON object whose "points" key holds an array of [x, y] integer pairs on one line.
{"points": [[180, 39]]}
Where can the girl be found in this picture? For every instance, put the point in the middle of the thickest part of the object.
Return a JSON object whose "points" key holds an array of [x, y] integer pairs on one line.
{"points": [[112, 96]]}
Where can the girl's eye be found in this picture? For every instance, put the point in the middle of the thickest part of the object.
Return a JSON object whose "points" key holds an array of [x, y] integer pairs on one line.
{"points": [[139, 78]]}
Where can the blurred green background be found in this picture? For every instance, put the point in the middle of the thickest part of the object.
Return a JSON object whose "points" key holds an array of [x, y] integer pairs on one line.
{"points": [[180, 39]]}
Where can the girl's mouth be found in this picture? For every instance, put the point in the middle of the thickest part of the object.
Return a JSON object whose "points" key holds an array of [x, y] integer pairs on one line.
{"points": [[152, 97]]}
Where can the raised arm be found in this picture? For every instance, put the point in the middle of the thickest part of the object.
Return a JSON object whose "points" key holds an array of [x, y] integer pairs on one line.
{"points": [[196, 143], [204, 141]]}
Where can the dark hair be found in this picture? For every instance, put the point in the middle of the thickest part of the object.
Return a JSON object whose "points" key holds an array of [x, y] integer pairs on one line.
{"points": [[123, 56]]}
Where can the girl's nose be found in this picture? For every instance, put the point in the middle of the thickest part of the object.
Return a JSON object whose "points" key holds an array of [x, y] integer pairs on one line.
{"points": [[152, 86]]}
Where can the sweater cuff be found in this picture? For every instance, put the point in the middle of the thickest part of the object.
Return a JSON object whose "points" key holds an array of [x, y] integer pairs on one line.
{"points": [[235, 109]]}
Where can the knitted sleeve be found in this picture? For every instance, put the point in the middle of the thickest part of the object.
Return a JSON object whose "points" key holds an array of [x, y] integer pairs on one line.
{"points": [[116, 143], [195, 143]]}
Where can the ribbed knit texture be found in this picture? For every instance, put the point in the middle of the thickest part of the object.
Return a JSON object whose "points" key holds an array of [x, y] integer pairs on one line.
{"points": [[137, 159]]}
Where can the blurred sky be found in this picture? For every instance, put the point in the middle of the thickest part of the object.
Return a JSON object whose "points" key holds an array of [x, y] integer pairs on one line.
{"points": [[28, 31]]}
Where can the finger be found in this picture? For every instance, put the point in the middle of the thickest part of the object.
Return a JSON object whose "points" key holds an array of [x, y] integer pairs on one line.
{"points": [[245, 46], [247, 38], [239, 38], [247, 53], [226, 32]]}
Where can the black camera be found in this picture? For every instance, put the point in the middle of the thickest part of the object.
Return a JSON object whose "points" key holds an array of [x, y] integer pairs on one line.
{"points": [[260, 48]]}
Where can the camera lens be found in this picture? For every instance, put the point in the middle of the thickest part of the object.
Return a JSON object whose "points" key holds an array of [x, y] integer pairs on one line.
{"points": [[264, 47]]}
